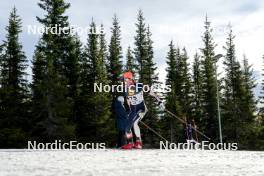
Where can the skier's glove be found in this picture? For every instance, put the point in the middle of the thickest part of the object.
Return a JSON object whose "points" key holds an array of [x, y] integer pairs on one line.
{"points": [[151, 93], [162, 106]]}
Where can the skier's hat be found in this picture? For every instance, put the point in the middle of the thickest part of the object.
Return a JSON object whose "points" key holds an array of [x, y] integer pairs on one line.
{"points": [[126, 75]]}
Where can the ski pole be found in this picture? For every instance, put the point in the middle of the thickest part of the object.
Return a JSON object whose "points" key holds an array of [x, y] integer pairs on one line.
{"points": [[153, 130], [181, 120]]}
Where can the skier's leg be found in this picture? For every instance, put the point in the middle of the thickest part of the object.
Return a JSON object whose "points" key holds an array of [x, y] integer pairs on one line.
{"points": [[121, 139], [138, 141], [121, 114], [137, 130], [132, 116], [121, 120], [141, 113], [136, 111]]}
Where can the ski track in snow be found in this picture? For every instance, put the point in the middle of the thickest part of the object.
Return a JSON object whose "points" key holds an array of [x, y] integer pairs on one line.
{"points": [[133, 162]]}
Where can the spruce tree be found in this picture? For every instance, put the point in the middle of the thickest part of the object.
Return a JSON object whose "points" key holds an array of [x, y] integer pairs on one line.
{"points": [[210, 123], [178, 80], [150, 78], [172, 99], [55, 88], [94, 123], [260, 125], [239, 103], [72, 73], [105, 124], [185, 81], [86, 121], [14, 121], [249, 84], [261, 97], [197, 80], [249, 127], [232, 91], [140, 50], [130, 64], [114, 63], [182, 91], [115, 54], [103, 54], [1, 63]]}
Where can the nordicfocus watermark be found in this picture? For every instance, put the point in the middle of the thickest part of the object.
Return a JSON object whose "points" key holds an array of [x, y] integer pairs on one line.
{"points": [[59, 30], [99, 87], [59, 145], [204, 145]]}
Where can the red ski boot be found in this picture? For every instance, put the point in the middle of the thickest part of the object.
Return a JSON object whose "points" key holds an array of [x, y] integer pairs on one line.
{"points": [[138, 145], [127, 146]]}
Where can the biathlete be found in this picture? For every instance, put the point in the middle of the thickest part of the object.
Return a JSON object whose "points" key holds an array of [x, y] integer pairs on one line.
{"points": [[130, 108]]}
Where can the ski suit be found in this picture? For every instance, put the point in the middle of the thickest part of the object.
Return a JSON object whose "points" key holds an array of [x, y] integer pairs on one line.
{"points": [[129, 110], [189, 131]]}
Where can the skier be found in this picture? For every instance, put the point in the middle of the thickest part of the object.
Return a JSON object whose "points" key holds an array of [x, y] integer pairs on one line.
{"points": [[190, 128], [130, 109], [189, 131], [195, 128]]}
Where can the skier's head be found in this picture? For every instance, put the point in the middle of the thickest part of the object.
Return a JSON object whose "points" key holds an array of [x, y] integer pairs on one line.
{"points": [[127, 77], [129, 82]]}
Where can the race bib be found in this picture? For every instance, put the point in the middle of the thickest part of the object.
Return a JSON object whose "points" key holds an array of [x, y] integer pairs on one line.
{"points": [[136, 99]]}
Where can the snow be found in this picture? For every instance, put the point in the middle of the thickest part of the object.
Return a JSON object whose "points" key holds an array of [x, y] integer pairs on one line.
{"points": [[133, 162]]}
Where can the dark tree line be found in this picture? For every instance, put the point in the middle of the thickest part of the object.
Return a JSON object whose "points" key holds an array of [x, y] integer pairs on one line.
{"points": [[60, 102]]}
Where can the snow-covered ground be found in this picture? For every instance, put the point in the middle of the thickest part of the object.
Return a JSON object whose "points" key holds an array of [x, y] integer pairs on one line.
{"points": [[134, 163]]}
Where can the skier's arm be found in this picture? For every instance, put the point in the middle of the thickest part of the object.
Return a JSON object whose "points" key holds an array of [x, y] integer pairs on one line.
{"points": [[151, 93], [160, 103]]}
